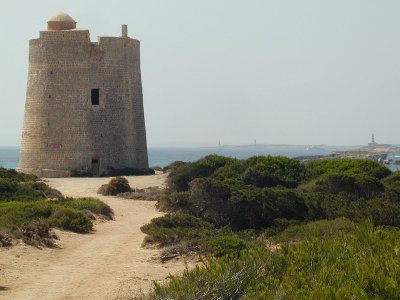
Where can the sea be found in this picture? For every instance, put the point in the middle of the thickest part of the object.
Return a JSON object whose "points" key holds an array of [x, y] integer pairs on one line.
{"points": [[161, 157]]}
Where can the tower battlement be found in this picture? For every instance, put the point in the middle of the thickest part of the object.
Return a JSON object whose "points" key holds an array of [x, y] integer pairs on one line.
{"points": [[84, 103]]}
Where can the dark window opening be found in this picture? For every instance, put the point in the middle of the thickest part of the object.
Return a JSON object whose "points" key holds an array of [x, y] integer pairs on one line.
{"points": [[49, 96], [95, 97], [48, 123], [95, 161], [51, 72]]}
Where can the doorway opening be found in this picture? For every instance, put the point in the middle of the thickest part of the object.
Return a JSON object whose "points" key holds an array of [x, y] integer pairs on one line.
{"points": [[95, 166]]}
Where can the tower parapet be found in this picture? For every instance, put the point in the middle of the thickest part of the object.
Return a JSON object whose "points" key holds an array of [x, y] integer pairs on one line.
{"points": [[84, 106]]}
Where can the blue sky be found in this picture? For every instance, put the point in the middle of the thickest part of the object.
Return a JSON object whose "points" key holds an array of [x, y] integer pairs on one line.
{"points": [[296, 72]]}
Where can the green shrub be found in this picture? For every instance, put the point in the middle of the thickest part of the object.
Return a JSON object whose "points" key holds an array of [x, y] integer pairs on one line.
{"points": [[355, 186], [11, 190], [252, 193], [243, 207], [13, 215], [227, 246], [13, 175], [26, 215], [93, 205], [174, 202], [335, 260], [269, 171], [182, 233], [72, 220], [348, 166], [324, 229], [183, 173], [116, 186], [175, 228]]}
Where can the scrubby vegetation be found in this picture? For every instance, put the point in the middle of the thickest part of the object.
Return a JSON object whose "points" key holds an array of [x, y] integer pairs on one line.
{"points": [[281, 228], [184, 234], [29, 209], [116, 186], [351, 262], [150, 194], [254, 193]]}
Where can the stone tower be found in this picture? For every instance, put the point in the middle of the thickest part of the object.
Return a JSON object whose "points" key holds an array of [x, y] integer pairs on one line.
{"points": [[84, 103]]}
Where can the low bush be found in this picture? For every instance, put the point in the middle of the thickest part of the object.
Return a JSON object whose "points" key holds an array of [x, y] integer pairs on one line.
{"points": [[93, 205], [116, 186], [5, 240], [37, 233], [13, 175], [72, 220], [253, 193], [27, 213], [13, 215], [334, 260], [174, 202], [181, 173], [174, 228], [150, 194], [11, 190], [183, 233], [354, 186], [243, 206], [348, 166], [231, 246]]}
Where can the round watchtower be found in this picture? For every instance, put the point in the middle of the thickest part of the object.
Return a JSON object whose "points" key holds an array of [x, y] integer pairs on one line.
{"points": [[84, 104]]}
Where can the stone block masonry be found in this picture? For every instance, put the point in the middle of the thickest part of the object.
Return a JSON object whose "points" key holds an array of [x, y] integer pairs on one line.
{"points": [[84, 103]]}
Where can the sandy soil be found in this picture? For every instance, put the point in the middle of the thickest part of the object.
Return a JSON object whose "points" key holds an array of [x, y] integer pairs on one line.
{"points": [[108, 264]]}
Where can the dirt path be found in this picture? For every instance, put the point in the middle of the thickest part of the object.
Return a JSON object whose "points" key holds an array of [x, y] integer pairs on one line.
{"points": [[109, 264]]}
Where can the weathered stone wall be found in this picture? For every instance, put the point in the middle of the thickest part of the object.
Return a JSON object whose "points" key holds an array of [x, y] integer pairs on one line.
{"points": [[62, 130]]}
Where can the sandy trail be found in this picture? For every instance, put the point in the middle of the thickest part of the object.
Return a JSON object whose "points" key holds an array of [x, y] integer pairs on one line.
{"points": [[108, 264]]}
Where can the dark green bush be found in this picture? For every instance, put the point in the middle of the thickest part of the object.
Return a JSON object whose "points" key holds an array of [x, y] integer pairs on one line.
{"points": [[116, 186], [11, 190], [327, 259], [174, 202], [183, 173], [243, 207], [72, 220], [13, 175], [253, 193], [269, 171], [348, 166], [355, 186]]}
